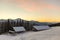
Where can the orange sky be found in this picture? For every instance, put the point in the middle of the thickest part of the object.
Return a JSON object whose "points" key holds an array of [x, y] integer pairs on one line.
{"points": [[39, 10]]}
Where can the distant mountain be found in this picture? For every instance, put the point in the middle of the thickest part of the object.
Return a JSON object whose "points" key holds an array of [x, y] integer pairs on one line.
{"points": [[40, 23], [56, 24]]}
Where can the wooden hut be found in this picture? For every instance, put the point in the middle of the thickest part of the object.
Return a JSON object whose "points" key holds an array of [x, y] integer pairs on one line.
{"points": [[3, 26]]}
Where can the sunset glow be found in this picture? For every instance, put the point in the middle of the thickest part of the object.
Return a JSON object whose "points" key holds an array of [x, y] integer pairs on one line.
{"points": [[39, 10]]}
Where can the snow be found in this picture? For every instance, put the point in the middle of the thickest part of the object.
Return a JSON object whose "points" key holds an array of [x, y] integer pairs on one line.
{"points": [[41, 27], [51, 34], [18, 29]]}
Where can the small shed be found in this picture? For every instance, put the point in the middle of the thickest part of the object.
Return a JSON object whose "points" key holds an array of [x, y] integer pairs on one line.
{"points": [[37, 28], [19, 29]]}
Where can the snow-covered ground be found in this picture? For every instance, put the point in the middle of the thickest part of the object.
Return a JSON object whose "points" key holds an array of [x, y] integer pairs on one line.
{"points": [[51, 34]]}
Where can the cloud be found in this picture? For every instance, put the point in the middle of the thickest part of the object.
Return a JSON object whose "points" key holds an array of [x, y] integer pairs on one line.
{"points": [[31, 9]]}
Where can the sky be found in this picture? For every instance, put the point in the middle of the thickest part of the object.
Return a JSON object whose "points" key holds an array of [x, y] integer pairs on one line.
{"points": [[38, 10]]}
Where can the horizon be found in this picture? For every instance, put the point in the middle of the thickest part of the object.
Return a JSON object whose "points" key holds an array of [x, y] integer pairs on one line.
{"points": [[38, 10]]}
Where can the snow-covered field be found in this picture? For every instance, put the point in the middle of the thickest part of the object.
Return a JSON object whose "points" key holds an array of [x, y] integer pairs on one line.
{"points": [[51, 34]]}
